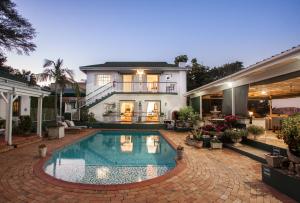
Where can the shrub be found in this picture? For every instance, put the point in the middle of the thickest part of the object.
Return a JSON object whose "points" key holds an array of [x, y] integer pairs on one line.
{"points": [[231, 120], [209, 128], [25, 124], [187, 114], [91, 118], [235, 133], [256, 130], [291, 133]]}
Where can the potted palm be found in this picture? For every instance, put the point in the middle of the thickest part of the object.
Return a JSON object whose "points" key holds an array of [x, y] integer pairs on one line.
{"points": [[215, 143], [180, 152], [291, 136], [42, 150], [254, 130]]}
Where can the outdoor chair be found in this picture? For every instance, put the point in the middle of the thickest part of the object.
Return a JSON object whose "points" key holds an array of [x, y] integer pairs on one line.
{"points": [[72, 124]]}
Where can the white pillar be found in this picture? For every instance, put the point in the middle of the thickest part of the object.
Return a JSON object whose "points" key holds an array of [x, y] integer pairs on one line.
{"points": [[232, 101], [200, 108], [8, 128], [39, 116]]}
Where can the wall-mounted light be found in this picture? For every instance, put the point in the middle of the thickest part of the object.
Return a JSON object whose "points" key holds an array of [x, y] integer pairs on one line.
{"points": [[140, 72], [230, 84], [263, 92], [250, 115]]}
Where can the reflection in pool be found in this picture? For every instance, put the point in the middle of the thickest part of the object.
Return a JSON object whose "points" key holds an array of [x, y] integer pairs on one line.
{"points": [[113, 157]]}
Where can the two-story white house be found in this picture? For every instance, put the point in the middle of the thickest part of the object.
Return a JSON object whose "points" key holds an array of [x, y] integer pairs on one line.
{"points": [[134, 91]]}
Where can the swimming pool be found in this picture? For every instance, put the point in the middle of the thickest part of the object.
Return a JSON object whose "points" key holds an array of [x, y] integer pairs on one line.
{"points": [[113, 157]]}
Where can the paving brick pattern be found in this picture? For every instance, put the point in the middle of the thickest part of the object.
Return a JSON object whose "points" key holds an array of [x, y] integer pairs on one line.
{"points": [[210, 176]]}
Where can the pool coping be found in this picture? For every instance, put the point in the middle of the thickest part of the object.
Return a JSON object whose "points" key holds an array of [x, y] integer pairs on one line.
{"points": [[39, 172]]}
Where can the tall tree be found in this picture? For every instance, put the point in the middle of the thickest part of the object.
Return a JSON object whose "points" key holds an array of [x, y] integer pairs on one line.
{"points": [[180, 58], [197, 75], [62, 76], [225, 70], [16, 33]]}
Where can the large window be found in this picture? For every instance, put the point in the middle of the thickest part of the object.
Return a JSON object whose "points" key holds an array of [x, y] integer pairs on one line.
{"points": [[102, 79]]}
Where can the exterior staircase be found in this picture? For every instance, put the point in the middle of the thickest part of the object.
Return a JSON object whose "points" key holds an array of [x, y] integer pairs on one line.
{"points": [[98, 95]]}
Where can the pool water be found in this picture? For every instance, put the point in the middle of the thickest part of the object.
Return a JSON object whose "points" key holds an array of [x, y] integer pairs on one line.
{"points": [[113, 157]]}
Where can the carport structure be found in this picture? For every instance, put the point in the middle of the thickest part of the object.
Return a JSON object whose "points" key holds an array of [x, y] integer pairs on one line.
{"points": [[10, 89]]}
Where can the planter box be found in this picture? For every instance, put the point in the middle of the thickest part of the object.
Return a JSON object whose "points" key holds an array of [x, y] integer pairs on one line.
{"points": [[216, 145], [273, 161], [56, 132], [283, 182]]}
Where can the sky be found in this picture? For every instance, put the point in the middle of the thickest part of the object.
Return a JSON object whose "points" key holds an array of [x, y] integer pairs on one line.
{"points": [[85, 32]]}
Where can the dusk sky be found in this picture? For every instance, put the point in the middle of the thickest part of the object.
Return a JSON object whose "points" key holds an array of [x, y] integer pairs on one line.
{"points": [[215, 31]]}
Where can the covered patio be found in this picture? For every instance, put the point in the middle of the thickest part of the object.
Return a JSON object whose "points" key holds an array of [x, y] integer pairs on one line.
{"points": [[10, 89], [250, 93]]}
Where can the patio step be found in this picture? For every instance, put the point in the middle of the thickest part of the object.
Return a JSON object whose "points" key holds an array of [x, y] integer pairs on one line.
{"points": [[249, 151]]}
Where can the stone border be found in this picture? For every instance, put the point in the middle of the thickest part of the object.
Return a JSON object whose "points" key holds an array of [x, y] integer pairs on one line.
{"points": [[39, 172]]}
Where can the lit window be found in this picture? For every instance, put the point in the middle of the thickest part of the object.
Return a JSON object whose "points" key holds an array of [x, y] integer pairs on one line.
{"points": [[102, 80]]}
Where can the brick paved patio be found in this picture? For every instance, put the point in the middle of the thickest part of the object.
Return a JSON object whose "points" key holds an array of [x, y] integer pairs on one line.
{"points": [[210, 176]]}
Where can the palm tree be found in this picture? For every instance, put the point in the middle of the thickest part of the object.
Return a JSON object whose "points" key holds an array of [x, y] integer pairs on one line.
{"points": [[61, 76]]}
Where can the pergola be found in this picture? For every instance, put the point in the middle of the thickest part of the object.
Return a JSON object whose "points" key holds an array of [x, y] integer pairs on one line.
{"points": [[10, 89], [272, 78]]}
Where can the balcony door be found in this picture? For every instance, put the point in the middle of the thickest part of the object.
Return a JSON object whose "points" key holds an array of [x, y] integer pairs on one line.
{"points": [[152, 83], [127, 83]]}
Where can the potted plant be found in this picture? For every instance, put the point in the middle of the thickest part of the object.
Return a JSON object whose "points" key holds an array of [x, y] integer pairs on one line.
{"points": [[189, 140], [254, 130], [215, 143], [236, 135], [291, 136], [42, 150], [198, 140], [179, 152], [231, 121]]}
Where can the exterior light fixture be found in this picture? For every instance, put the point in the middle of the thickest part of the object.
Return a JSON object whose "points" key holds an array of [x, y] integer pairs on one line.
{"points": [[230, 84], [140, 72], [263, 92], [250, 115]]}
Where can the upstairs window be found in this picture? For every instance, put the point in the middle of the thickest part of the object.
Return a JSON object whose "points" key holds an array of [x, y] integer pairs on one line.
{"points": [[102, 79]]}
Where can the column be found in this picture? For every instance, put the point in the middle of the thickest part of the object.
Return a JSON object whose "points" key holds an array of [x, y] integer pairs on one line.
{"points": [[200, 108], [8, 130], [39, 116], [232, 101]]}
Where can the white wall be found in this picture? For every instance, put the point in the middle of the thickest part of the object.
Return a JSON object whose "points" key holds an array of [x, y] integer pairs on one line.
{"points": [[290, 102], [169, 103], [25, 106], [2, 108]]}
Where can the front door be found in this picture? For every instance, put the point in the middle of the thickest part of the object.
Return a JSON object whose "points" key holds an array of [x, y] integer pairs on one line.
{"points": [[127, 83]]}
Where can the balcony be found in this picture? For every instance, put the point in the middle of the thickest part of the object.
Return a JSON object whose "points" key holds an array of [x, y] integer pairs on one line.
{"points": [[146, 87], [110, 88]]}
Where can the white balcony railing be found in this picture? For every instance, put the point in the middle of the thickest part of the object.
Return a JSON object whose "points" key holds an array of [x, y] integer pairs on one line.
{"points": [[130, 87]]}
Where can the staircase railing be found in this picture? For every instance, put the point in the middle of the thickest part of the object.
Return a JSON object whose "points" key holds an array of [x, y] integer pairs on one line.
{"points": [[97, 94]]}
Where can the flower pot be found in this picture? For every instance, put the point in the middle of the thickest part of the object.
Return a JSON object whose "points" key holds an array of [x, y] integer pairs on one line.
{"points": [[274, 161], [179, 154], [43, 151], [190, 142], [179, 124], [216, 145], [237, 141], [198, 144], [293, 157]]}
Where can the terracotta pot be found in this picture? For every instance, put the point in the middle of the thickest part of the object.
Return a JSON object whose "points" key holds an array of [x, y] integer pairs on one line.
{"points": [[43, 152], [179, 154], [198, 144], [293, 157]]}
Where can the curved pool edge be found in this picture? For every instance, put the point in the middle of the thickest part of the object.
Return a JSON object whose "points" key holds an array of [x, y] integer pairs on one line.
{"points": [[39, 172]]}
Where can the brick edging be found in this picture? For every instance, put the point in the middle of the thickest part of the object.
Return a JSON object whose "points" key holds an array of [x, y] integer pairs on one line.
{"points": [[39, 172]]}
